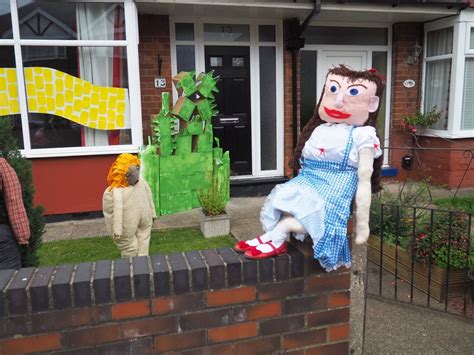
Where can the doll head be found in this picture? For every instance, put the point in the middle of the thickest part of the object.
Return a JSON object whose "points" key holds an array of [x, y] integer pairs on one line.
{"points": [[348, 99], [348, 96], [125, 171]]}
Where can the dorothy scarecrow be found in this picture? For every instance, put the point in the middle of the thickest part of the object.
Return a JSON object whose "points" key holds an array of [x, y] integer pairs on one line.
{"points": [[338, 156]]}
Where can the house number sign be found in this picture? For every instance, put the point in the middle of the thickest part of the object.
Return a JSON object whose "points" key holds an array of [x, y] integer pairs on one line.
{"points": [[409, 83]]}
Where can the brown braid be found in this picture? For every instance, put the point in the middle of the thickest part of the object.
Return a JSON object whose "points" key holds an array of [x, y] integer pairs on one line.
{"points": [[342, 70]]}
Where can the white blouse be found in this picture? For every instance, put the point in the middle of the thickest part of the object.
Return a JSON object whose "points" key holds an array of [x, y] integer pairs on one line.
{"points": [[328, 142]]}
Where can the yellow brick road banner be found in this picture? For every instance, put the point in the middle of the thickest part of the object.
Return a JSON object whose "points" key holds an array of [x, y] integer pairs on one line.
{"points": [[54, 92]]}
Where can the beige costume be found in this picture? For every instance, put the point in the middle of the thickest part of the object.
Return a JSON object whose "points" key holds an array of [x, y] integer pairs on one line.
{"points": [[129, 213]]}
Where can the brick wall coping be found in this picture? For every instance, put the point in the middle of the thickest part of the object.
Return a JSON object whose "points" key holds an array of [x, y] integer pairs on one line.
{"points": [[32, 290]]}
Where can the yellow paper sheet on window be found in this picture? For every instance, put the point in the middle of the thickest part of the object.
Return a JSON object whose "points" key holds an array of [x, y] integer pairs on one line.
{"points": [[54, 92]]}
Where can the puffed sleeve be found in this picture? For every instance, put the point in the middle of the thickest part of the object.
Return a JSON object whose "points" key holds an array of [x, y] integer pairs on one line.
{"points": [[366, 137]]}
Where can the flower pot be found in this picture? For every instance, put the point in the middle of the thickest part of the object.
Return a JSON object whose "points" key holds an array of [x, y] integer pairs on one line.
{"points": [[213, 226], [425, 279]]}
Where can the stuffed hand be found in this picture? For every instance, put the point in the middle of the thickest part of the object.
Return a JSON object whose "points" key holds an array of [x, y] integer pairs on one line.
{"points": [[363, 195], [362, 233]]}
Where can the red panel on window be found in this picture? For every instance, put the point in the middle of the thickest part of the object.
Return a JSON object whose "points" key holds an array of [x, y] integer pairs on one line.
{"points": [[72, 184]]}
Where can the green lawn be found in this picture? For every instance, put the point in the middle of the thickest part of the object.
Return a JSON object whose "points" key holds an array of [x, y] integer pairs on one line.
{"points": [[465, 204], [103, 248]]}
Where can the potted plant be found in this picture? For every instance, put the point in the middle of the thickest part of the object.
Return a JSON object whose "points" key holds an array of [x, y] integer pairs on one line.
{"points": [[419, 122], [214, 219]]}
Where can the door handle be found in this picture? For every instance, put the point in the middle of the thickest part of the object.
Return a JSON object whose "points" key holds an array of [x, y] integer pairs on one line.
{"points": [[229, 120]]}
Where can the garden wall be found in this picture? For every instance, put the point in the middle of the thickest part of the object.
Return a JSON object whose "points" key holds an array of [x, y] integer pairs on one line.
{"points": [[213, 302]]}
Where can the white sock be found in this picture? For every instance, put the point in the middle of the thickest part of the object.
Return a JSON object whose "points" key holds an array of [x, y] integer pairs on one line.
{"points": [[280, 233], [264, 238]]}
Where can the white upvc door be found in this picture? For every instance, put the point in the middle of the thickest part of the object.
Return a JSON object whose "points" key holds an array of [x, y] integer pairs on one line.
{"points": [[356, 60]]}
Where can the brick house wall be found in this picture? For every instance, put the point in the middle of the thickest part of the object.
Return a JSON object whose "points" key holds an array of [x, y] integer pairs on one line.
{"points": [[154, 45], [404, 100], [213, 302]]}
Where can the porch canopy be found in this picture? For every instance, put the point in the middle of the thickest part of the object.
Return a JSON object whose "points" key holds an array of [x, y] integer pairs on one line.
{"points": [[353, 11]]}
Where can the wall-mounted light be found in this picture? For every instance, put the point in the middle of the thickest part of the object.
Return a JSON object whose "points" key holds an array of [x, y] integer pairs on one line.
{"points": [[415, 53]]}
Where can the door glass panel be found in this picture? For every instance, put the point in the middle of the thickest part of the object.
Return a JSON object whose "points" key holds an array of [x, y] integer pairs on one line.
{"points": [[471, 42], [308, 86], [266, 33], [440, 42], [5, 20], [346, 35], [226, 32], [468, 102], [437, 89], [268, 151], [216, 61], [185, 60], [238, 61], [379, 62], [184, 31]]}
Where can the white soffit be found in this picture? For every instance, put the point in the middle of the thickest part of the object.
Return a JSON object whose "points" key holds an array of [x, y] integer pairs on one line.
{"points": [[282, 10]]}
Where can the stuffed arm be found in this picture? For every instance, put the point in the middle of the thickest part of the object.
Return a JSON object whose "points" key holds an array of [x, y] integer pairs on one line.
{"points": [[364, 194], [118, 211]]}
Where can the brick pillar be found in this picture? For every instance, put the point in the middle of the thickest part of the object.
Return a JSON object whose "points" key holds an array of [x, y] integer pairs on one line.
{"points": [[404, 100], [288, 107], [154, 45]]}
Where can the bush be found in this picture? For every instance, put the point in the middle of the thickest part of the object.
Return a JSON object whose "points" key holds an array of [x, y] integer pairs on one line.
{"points": [[22, 166]]}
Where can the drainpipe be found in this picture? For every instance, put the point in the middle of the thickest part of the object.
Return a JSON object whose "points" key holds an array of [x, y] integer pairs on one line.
{"points": [[294, 43]]}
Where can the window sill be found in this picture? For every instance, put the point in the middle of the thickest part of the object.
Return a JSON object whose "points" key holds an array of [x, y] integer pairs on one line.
{"points": [[75, 152], [449, 135]]}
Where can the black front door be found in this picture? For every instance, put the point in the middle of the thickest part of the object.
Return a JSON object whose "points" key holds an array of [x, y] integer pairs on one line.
{"points": [[232, 125]]}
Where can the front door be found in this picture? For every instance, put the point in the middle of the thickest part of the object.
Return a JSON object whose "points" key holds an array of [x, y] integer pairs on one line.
{"points": [[356, 60], [232, 125]]}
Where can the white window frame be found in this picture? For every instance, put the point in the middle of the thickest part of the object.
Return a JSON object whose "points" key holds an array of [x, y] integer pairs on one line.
{"points": [[131, 45], [369, 49], [199, 44], [462, 25]]}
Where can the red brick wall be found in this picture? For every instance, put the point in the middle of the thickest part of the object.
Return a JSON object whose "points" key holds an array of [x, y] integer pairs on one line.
{"points": [[288, 107], [404, 100], [154, 44], [212, 302]]}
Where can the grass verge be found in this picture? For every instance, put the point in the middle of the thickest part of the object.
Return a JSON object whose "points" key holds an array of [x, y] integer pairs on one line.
{"points": [[464, 204], [103, 248]]}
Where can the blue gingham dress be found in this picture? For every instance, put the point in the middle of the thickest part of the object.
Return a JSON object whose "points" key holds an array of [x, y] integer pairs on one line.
{"points": [[320, 199]]}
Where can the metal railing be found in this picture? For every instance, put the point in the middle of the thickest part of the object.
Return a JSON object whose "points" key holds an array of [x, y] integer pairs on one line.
{"points": [[421, 255]]}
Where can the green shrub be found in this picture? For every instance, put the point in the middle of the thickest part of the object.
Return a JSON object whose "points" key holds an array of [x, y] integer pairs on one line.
{"points": [[22, 166]]}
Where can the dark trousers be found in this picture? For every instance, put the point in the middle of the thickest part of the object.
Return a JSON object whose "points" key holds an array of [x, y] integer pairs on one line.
{"points": [[10, 257]]}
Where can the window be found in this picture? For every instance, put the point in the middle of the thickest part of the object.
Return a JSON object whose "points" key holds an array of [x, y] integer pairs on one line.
{"points": [[439, 49], [72, 76], [449, 75]]}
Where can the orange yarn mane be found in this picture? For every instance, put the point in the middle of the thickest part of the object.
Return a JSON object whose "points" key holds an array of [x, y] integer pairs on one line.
{"points": [[117, 173]]}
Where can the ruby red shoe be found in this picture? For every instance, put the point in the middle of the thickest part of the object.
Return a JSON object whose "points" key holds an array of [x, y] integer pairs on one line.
{"points": [[254, 253], [242, 246]]}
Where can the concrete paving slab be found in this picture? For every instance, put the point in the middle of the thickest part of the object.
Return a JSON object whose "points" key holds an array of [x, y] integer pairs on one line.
{"points": [[398, 328]]}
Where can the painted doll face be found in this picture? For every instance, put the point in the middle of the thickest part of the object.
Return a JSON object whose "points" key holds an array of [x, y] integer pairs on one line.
{"points": [[348, 101], [133, 175]]}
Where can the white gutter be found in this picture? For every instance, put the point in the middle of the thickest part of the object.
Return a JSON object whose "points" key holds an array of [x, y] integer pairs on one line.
{"points": [[402, 9]]}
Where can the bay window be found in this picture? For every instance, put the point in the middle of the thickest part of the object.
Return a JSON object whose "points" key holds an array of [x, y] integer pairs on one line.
{"points": [[64, 76], [449, 75]]}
